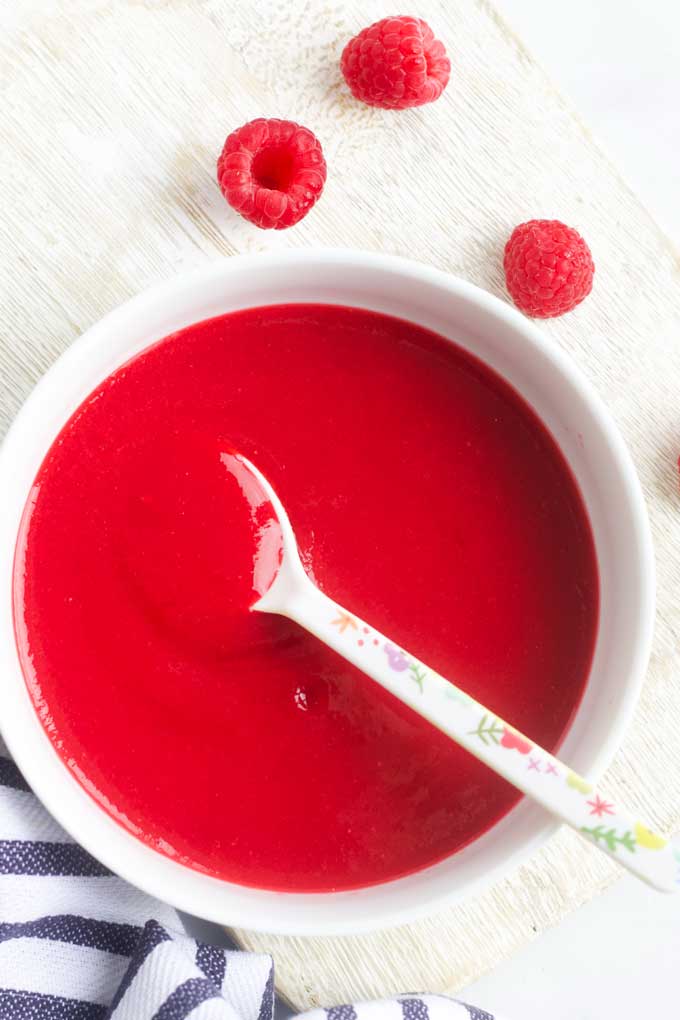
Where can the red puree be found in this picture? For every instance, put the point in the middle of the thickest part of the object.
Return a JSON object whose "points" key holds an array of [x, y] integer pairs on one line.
{"points": [[425, 496]]}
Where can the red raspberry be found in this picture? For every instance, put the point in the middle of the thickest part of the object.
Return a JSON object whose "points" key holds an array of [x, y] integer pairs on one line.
{"points": [[548, 268], [272, 172], [396, 63]]}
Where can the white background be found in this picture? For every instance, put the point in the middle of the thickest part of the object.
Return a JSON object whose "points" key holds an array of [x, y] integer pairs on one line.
{"points": [[619, 62]]}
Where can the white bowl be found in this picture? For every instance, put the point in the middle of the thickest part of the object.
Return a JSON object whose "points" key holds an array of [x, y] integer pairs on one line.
{"points": [[566, 403]]}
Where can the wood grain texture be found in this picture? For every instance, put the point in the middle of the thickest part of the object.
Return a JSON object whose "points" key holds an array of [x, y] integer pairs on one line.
{"points": [[111, 118]]}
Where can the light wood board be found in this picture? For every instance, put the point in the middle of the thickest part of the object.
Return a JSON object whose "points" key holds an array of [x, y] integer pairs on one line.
{"points": [[112, 114]]}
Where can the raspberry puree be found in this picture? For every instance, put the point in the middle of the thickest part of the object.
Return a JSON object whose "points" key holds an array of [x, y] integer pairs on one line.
{"points": [[425, 496]]}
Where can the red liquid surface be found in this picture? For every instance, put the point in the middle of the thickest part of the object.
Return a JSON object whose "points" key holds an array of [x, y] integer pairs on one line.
{"points": [[425, 496]]}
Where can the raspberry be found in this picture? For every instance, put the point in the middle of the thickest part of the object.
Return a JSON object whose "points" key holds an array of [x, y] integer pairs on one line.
{"points": [[396, 63], [271, 172], [548, 268]]}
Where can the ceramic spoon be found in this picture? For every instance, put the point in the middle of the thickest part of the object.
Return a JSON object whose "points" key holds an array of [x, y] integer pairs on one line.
{"points": [[534, 771]]}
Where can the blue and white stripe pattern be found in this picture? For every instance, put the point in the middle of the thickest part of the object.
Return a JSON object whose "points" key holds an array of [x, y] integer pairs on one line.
{"points": [[78, 943]]}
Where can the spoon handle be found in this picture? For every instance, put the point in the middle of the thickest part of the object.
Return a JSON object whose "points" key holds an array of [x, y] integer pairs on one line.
{"points": [[504, 749]]}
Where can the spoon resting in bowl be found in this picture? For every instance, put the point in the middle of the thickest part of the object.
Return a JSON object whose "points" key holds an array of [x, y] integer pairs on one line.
{"points": [[286, 590]]}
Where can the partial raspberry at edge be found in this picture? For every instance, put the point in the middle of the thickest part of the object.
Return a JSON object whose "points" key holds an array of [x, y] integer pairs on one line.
{"points": [[272, 172], [396, 63], [548, 268]]}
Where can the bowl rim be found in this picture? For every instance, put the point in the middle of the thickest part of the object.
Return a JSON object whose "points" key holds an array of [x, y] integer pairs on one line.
{"points": [[14, 724]]}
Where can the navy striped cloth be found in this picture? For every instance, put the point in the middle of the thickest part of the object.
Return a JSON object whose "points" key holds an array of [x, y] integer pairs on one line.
{"points": [[78, 943]]}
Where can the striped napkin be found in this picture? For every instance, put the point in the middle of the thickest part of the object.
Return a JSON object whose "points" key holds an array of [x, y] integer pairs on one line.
{"points": [[78, 943]]}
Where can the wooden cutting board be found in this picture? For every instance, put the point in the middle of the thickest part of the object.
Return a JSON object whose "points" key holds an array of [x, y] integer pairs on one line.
{"points": [[111, 119]]}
